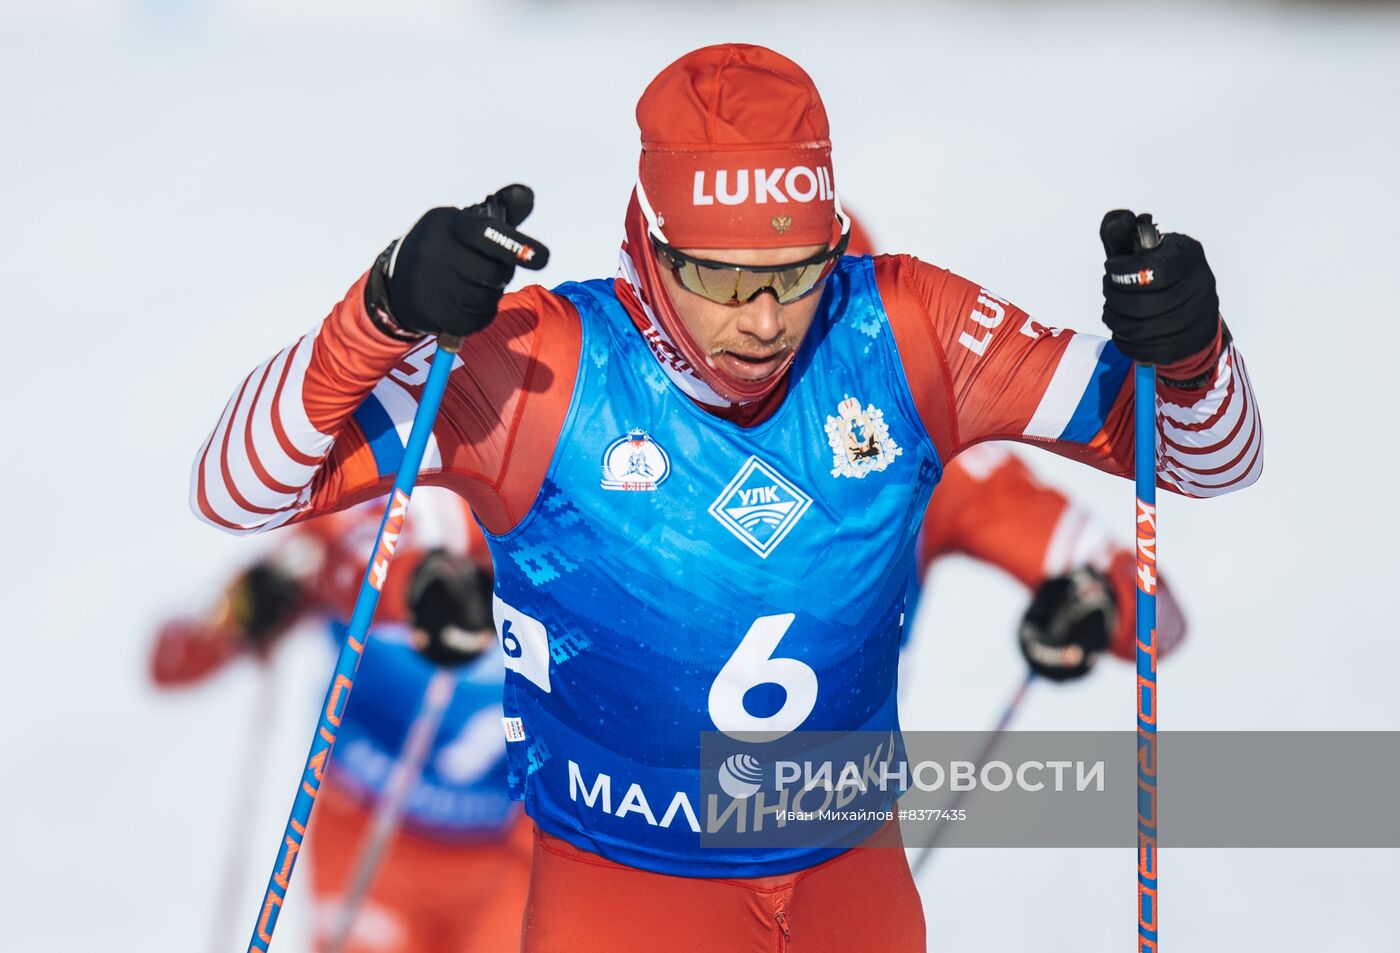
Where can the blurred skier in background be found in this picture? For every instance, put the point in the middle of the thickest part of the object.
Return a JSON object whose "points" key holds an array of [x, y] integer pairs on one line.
{"points": [[453, 875], [991, 507]]}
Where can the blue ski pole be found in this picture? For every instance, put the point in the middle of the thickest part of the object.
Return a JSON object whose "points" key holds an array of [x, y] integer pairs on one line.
{"points": [[1145, 473], [1145, 419], [390, 529], [1123, 233]]}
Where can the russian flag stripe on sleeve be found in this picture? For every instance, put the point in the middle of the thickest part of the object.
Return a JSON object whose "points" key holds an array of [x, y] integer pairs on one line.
{"points": [[1089, 374], [400, 404], [381, 435], [1104, 384]]}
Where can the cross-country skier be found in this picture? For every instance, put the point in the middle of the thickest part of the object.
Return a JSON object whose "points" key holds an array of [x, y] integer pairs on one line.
{"points": [[755, 580], [454, 875]]}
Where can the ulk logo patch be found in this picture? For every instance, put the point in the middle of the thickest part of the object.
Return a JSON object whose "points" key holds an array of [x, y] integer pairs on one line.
{"points": [[760, 506]]}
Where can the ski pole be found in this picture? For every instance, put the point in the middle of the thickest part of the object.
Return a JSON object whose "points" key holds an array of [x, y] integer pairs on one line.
{"points": [[998, 732], [1145, 473], [252, 772], [407, 770], [342, 680]]}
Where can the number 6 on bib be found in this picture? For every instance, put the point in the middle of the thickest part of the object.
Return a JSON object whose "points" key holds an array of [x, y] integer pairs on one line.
{"points": [[751, 665]]}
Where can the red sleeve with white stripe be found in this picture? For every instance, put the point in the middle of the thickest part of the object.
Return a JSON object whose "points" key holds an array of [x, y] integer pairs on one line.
{"points": [[322, 425], [267, 457], [990, 506], [981, 369]]}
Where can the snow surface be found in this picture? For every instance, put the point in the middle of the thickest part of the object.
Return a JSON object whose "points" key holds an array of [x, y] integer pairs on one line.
{"points": [[188, 185]]}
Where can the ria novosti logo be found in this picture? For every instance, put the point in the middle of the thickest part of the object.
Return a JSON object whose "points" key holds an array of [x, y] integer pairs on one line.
{"points": [[740, 775]]}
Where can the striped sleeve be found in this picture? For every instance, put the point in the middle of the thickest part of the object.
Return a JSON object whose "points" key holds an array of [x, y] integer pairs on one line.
{"points": [[981, 369], [324, 423], [288, 442], [1212, 442], [251, 471]]}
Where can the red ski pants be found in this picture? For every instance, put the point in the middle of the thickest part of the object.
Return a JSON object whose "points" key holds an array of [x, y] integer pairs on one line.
{"points": [[863, 899]]}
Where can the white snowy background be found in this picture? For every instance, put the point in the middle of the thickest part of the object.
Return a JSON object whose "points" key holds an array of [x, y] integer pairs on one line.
{"points": [[185, 186]]}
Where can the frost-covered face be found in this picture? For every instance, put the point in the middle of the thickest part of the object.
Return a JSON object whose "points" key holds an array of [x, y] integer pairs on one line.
{"points": [[749, 341]]}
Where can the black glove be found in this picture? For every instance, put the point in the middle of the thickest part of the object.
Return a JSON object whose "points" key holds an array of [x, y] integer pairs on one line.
{"points": [[1159, 295], [447, 275], [262, 603], [1068, 624], [449, 607]]}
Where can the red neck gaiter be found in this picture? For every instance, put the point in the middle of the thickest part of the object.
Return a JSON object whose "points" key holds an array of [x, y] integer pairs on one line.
{"points": [[735, 154], [648, 304]]}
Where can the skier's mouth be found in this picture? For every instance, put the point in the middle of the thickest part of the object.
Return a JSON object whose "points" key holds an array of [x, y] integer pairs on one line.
{"points": [[750, 367]]}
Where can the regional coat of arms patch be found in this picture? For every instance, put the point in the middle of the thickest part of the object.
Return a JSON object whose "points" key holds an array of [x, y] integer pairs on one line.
{"points": [[860, 440]]}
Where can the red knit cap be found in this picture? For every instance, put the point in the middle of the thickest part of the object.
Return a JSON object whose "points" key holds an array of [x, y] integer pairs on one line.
{"points": [[736, 151]]}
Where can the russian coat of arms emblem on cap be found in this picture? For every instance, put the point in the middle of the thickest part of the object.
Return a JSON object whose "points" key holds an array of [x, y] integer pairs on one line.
{"points": [[860, 440]]}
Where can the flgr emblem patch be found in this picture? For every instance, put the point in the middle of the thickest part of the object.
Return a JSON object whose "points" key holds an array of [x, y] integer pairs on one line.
{"points": [[760, 506], [635, 462]]}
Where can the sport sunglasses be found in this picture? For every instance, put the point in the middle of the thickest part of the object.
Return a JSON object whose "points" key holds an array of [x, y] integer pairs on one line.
{"points": [[734, 285]]}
